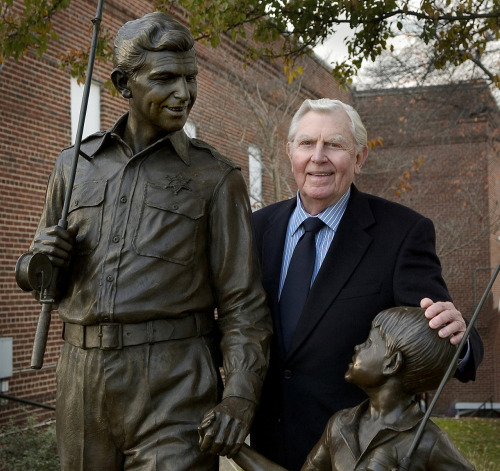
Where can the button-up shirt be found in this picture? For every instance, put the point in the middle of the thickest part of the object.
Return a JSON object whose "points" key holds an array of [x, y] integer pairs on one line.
{"points": [[161, 234], [331, 216], [339, 448]]}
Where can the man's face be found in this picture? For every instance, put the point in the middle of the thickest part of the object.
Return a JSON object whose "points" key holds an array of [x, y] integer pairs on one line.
{"points": [[164, 90], [367, 367], [324, 159]]}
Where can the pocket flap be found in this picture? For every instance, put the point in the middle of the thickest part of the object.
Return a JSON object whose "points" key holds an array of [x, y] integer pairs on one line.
{"points": [[185, 203], [87, 194]]}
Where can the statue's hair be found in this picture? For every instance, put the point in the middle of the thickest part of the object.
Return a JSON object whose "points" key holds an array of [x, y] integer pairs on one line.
{"points": [[153, 32], [326, 105], [426, 356]]}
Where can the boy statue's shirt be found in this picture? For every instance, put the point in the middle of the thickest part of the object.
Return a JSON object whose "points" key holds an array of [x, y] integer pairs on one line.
{"points": [[339, 450]]}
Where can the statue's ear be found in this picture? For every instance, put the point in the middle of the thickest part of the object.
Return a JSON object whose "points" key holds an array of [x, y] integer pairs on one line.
{"points": [[120, 81], [393, 364]]}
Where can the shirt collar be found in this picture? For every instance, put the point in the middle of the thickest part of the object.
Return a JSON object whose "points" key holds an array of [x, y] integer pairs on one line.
{"points": [[348, 425], [331, 216], [410, 417], [180, 142], [178, 139]]}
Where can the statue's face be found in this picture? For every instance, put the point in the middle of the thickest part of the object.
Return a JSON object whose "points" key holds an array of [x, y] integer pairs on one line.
{"points": [[164, 90], [367, 367]]}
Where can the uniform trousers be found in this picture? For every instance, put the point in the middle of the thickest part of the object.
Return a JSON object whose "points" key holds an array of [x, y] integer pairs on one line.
{"points": [[137, 408]]}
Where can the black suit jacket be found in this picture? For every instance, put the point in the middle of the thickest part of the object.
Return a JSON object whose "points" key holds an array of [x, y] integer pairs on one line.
{"points": [[383, 255]]}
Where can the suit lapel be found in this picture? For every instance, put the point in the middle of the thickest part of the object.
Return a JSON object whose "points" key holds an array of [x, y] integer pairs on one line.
{"points": [[346, 251], [273, 242]]}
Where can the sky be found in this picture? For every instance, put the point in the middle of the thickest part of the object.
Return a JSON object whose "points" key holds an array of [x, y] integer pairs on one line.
{"points": [[333, 48]]}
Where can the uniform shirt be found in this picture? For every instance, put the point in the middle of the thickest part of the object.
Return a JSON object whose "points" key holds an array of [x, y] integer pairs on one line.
{"points": [[161, 234]]}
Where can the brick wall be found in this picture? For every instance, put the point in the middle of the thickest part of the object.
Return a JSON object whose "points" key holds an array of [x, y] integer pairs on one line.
{"points": [[451, 129]]}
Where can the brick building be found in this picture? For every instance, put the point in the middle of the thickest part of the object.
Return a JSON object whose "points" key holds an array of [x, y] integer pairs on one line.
{"points": [[243, 110], [451, 134]]}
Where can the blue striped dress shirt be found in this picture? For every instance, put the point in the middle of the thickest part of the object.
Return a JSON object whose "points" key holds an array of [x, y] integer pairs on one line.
{"points": [[331, 216]]}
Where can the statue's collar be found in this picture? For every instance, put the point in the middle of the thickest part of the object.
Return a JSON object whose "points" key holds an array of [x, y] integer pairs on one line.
{"points": [[178, 139]]}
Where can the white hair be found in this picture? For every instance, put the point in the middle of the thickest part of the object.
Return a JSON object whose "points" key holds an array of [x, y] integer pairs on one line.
{"points": [[327, 105]]}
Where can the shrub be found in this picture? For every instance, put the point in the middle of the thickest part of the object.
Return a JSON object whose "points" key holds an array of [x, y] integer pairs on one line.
{"points": [[28, 448]]}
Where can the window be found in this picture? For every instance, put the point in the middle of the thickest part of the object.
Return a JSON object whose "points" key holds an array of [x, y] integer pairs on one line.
{"points": [[255, 176], [93, 115], [190, 129]]}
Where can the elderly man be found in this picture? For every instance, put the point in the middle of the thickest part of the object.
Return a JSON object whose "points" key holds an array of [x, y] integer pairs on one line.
{"points": [[159, 236], [365, 254]]}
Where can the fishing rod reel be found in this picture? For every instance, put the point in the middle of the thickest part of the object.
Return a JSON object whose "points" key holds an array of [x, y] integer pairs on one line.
{"points": [[33, 272]]}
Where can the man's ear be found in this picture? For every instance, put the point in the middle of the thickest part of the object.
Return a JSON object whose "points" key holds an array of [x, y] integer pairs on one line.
{"points": [[360, 160], [120, 81], [393, 364], [289, 148]]}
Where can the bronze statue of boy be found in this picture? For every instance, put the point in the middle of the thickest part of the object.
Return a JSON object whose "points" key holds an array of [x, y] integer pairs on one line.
{"points": [[401, 357]]}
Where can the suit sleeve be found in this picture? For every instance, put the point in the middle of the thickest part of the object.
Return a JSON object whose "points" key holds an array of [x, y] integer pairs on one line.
{"points": [[418, 270], [418, 274]]}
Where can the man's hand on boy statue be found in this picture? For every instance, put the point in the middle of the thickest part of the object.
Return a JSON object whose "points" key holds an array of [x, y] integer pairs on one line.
{"points": [[444, 313], [224, 428]]}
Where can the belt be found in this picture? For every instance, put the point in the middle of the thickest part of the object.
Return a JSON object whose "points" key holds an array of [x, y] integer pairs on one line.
{"points": [[114, 336]]}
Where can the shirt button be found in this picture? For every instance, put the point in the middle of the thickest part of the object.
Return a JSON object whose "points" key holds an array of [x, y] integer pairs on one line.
{"points": [[287, 374], [123, 199], [175, 206], [110, 278], [116, 239]]}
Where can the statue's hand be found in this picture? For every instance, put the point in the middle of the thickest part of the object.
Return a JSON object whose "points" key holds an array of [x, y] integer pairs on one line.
{"points": [[225, 427], [56, 243]]}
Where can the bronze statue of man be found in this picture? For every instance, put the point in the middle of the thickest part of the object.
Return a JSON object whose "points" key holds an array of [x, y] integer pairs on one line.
{"points": [[401, 357], [158, 238]]}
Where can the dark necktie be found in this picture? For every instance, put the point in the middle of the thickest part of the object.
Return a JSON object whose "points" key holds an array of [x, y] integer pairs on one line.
{"points": [[298, 279]]}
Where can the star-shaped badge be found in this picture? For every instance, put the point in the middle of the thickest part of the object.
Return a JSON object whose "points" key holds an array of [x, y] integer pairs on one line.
{"points": [[178, 182]]}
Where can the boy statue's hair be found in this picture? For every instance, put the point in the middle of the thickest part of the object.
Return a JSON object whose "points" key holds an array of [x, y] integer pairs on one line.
{"points": [[426, 355]]}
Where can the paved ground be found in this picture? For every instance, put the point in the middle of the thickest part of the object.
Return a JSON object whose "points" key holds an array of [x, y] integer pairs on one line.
{"points": [[227, 465]]}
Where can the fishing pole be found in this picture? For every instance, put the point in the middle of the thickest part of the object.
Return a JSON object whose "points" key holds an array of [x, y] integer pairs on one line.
{"points": [[34, 271], [405, 462]]}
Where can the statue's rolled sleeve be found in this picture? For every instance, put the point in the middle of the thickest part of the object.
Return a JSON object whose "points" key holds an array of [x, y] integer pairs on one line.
{"points": [[243, 315], [51, 216], [54, 200]]}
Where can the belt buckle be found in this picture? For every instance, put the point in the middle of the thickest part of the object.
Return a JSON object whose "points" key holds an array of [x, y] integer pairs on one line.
{"points": [[111, 336]]}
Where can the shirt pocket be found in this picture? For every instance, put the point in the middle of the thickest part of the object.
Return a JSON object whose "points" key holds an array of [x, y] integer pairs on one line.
{"points": [[86, 210], [168, 224]]}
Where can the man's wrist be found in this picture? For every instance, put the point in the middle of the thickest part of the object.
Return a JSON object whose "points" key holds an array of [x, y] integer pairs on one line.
{"points": [[464, 356]]}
